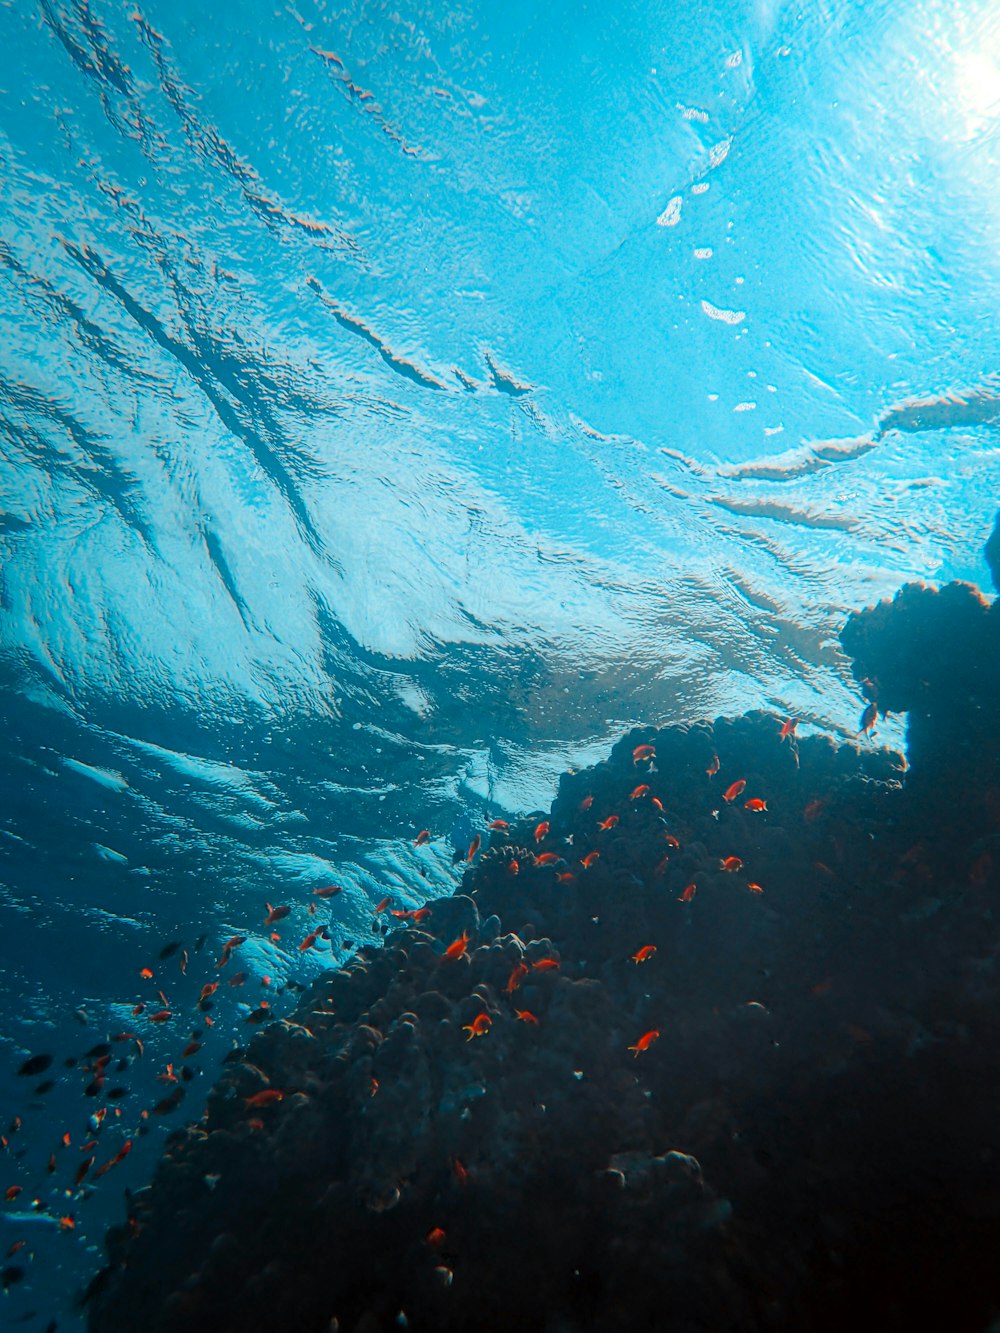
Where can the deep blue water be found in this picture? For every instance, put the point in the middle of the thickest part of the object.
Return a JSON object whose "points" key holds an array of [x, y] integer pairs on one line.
{"points": [[397, 403]]}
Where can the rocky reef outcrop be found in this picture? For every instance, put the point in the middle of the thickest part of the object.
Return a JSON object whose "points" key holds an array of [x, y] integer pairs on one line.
{"points": [[712, 1044]]}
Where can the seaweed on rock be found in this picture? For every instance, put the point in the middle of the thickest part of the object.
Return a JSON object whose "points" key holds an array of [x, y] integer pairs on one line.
{"points": [[811, 1142]]}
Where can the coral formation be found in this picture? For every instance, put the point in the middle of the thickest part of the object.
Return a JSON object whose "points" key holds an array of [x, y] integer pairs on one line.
{"points": [[780, 1117]]}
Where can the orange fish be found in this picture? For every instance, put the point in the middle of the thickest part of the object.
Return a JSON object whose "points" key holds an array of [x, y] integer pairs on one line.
{"points": [[169, 1076], [460, 1169], [731, 792], [755, 888], [514, 980], [638, 792], [373, 1086], [565, 877], [610, 822], [309, 941], [474, 846], [381, 906], [586, 803], [732, 863], [275, 914], [67, 1223], [541, 830], [868, 719], [644, 954], [66, 1140], [119, 1156], [458, 948], [146, 974], [500, 825], [266, 1097], [656, 803], [545, 965], [513, 866], [714, 766], [588, 860], [755, 803], [423, 836], [479, 1026], [209, 988], [526, 1016], [671, 841], [17, 1245], [328, 891], [688, 893], [642, 752], [788, 728], [547, 859], [435, 1236], [645, 1041]]}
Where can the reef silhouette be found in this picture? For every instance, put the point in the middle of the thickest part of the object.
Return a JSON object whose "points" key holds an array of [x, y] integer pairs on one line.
{"points": [[810, 1140]]}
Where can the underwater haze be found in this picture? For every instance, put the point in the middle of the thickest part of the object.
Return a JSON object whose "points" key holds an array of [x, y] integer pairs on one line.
{"points": [[399, 403]]}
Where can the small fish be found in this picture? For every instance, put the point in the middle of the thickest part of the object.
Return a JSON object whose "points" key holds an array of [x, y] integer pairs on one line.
{"points": [[184, 963], [266, 1097], [868, 719], [309, 941], [586, 803], [656, 803], [526, 1016], [714, 766], [192, 1048], [788, 728], [755, 803], [688, 893], [500, 825], [171, 1103], [671, 841], [547, 859], [209, 988], [513, 866], [732, 791], [435, 1236], [82, 1169], [460, 1169], [813, 810], [67, 1223], [17, 1245], [161, 1016], [732, 863], [373, 1086], [12, 1191], [275, 914], [479, 1026], [608, 823], [514, 980], [146, 974], [545, 965], [639, 792], [754, 888], [565, 877], [170, 949], [237, 979], [423, 836], [642, 752], [474, 847], [458, 948], [381, 906], [645, 1041], [588, 860], [328, 891], [644, 954], [541, 829], [35, 1064]]}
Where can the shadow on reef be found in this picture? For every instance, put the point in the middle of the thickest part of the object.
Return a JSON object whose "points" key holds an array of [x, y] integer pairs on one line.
{"points": [[782, 1117]]}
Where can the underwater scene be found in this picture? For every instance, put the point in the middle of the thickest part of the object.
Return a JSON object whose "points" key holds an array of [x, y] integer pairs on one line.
{"points": [[499, 666]]}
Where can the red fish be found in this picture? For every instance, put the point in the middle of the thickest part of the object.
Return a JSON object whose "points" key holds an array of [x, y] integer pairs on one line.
{"points": [[192, 1048], [565, 877], [119, 1156], [309, 940], [638, 792], [514, 980], [656, 803], [688, 893], [209, 988], [146, 974], [588, 860], [644, 954], [266, 1097], [500, 825], [328, 891], [82, 1169], [642, 752], [545, 965], [381, 906], [435, 1236], [813, 810], [610, 822], [868, 719], [423, 836], [526, 1016], [275, 914], [12, 1191], [547, 859], [460, 1169], [754, 888], [161, 1016], [474, 846], [732, 791], [645, 1041], [671, 841], [714, 766], [513, 866], [788, 728], [586, 803], [541, 830], [458, 948], [755, 803], [479, 1026], [732, 863]]}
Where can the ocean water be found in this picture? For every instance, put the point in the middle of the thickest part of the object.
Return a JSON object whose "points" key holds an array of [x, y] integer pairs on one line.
{"points": [[399, 403]]}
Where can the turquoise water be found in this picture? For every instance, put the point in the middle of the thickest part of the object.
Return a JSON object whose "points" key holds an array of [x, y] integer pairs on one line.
{"points": [[398, 404]]}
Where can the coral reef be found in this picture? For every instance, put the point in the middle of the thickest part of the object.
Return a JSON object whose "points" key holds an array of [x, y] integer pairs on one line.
{"points": [[518, 1114]]}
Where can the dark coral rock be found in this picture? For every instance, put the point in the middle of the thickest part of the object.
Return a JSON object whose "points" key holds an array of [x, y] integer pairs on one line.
{"points": [[805, 1139]]}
